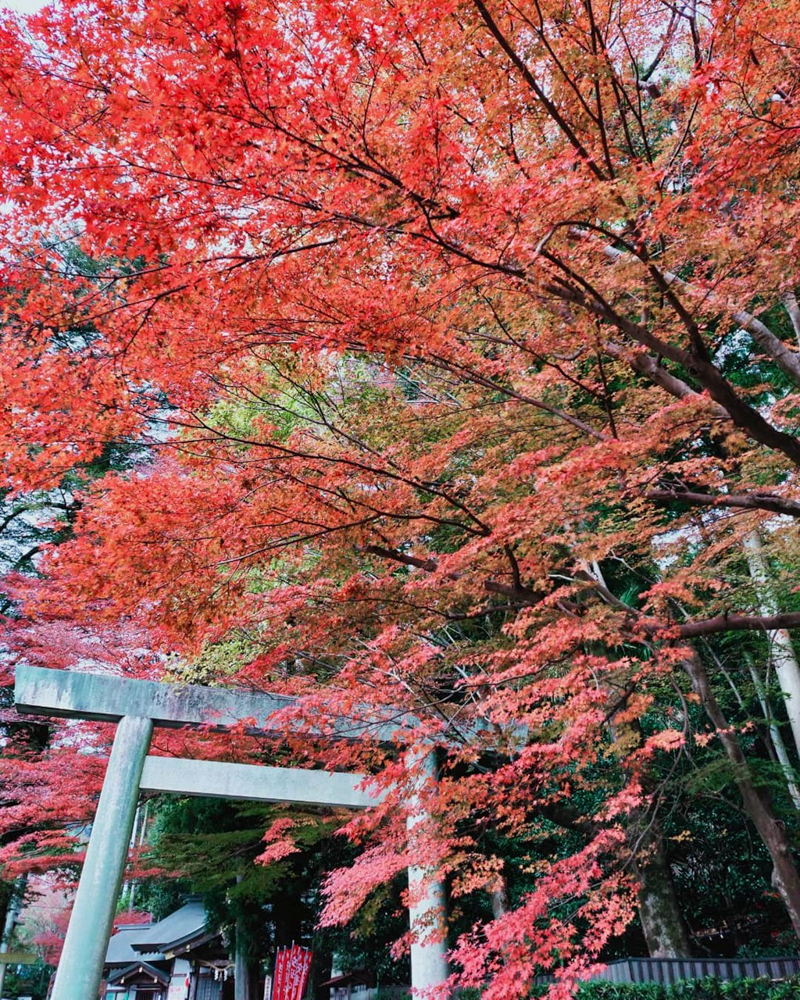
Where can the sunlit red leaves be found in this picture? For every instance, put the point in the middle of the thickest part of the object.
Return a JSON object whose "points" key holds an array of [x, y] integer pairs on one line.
{"points": [[395, 304]]}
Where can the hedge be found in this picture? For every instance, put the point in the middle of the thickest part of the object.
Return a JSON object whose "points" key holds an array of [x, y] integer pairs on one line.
{"points": [[695, 989]]}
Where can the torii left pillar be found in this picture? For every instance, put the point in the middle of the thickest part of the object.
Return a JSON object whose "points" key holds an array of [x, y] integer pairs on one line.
{"points": [[81, 968], [138, 706]]}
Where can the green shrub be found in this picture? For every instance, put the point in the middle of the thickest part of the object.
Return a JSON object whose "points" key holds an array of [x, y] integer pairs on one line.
{"points": [[618, 991], [695, 989]]}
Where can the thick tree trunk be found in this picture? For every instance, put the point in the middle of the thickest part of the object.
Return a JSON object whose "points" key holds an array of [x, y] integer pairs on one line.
{"points": [[662, 921], [242, 974], [782, 654], [320, 971], [659, 914], [785, 877], [793, 308], [499, 899]]}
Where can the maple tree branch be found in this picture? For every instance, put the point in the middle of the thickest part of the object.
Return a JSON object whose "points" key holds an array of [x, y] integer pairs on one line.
{"points": [[658, 57], [427, 486], [568, 818], [738, 623], [517, 590], [529, 78], [719, 388], [691, 630], [646, 364], [429, 565], [294, 540], [490, 609], [466, 372], [520, 591], [18, 512], [743, 501], [786, 359], [544, 37]]}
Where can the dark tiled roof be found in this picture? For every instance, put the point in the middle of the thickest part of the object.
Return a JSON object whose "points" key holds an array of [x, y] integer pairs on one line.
{"points": [[138, 967], [120, 946], [183, 925]]}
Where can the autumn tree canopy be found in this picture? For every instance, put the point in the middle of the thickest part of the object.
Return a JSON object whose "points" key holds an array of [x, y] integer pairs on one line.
{"points": [[466, 338]]}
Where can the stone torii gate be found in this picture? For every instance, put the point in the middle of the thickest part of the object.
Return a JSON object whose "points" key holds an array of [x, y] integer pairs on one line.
{"points": [[137, 707]]}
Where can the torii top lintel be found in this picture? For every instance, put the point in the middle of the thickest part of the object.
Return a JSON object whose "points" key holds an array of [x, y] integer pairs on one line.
{"points": [[105, 698]]}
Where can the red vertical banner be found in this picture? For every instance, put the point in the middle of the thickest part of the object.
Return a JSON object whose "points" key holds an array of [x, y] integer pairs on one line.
{"points": [[292, 969], [276, 974], [279, 979], [305, 969], [289, 976], [297, 970]]}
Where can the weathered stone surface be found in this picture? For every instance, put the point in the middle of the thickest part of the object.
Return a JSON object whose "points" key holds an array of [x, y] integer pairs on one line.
{"points": [[254, 783], [39, 691], [427, 907], [81, 967]]}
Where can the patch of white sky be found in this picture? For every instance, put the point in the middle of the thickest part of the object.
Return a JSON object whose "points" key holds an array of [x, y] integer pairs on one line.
{"points": [[23, 6]]}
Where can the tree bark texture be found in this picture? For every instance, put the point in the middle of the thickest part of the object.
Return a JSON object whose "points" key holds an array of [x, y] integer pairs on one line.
{"points": [[662, 922], [785, 877]]}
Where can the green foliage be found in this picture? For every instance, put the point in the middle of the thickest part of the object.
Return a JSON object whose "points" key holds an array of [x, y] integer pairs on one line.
{"points": [[212, 844], [364, 944], [217, 660], [694, 989], [28, 981]]}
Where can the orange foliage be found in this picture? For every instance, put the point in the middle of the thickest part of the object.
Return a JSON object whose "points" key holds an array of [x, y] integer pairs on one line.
{"points": [[427, 310]]}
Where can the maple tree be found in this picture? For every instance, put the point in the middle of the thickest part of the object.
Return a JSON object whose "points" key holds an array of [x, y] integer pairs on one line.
{"points": [[51, 773], [48, 786], [473, 330]]}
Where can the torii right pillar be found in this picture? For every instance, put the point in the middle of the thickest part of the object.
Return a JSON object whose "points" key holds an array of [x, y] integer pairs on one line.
{"points": [[427, 898]]}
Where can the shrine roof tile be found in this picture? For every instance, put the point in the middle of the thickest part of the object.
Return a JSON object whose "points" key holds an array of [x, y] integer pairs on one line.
{"points": [[182, 925], [120, 946]]}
